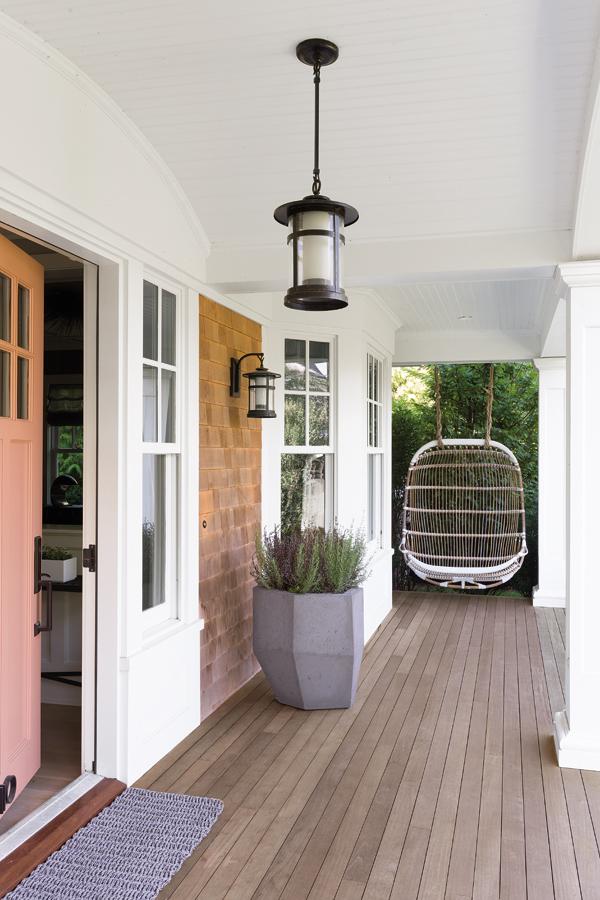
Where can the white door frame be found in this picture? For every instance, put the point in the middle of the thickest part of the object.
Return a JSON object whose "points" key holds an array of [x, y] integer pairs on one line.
{"points": [[88, 579]]}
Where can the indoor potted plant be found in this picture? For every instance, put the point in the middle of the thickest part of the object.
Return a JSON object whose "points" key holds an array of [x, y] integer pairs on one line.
{"points": [[308, 631], [59, 564]]}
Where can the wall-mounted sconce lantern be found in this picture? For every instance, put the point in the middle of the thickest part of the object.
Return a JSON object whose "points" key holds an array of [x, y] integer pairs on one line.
{"points": [[261, 387], [316, 223]]}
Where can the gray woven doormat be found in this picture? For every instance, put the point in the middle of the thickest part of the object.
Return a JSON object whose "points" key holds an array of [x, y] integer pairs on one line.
{"points": [[129, 851]]}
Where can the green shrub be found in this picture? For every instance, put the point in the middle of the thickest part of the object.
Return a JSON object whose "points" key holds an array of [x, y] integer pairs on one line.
{"points": [[310, 561], [58, 553]]}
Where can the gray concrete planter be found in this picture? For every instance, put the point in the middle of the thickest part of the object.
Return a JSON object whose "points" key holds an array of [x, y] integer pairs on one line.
{"points": [[310, 646]]}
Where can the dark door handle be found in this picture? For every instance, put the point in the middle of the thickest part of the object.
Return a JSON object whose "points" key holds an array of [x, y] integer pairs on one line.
{"points": [[46, 589], [37, 564]]}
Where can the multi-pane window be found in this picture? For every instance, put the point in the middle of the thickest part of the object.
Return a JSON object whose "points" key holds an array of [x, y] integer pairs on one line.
{"points": [[375, 449], [15, 348], [160, 453], [160, 353], [307, 463]]}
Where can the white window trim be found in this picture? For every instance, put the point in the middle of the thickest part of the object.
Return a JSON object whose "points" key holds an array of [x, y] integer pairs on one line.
{"points": [[377, 404], [328, 450], [167, 613]]}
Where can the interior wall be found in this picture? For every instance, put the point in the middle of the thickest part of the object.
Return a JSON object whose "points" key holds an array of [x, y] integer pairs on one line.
{"points": [[230, 504]]}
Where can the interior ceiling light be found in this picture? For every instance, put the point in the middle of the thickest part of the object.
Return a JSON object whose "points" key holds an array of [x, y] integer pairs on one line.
{"points": [[316, 223]]}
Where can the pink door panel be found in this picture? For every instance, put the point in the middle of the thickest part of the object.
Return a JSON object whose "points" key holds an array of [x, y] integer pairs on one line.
{"points": [[21, 417]]}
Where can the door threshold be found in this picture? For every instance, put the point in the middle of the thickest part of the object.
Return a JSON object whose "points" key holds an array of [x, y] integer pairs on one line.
{"points": [[55, 822], [40, 817]]}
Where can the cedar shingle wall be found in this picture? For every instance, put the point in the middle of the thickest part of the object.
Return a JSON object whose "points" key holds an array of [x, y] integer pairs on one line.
{"points": [[230, 504]]}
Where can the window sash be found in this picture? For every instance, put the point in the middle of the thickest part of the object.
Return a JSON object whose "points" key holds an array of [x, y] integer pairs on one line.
{"points": [[311, 394], [167, 578]]}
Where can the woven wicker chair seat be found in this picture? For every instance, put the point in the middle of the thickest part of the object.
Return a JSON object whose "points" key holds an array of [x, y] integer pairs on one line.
{"points": [[464, 514]]}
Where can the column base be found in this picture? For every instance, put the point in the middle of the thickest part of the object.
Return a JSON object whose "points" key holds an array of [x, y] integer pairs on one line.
{"points": [[545, 598], [575, 751]]}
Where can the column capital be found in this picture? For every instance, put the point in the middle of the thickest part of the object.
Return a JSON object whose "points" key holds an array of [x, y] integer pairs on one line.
{"points": [[543, 363], [582, 273]]}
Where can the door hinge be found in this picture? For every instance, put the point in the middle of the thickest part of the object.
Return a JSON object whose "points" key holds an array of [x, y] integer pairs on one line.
{"points": [[89, 558], [8, 790]]}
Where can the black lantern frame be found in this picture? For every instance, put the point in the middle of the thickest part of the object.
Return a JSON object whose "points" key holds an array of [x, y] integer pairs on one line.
{"points": [[259, 381], [316, 241]]}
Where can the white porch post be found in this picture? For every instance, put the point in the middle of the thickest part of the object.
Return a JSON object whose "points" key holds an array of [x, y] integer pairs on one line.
{"points": [[552, 543], [577, 729]]}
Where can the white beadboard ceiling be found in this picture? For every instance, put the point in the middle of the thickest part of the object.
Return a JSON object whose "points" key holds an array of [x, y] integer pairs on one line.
{"points": [[439, 118], [516, 306]]}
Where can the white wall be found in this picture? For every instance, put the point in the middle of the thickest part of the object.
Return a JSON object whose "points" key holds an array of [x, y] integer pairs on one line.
{"points": [[74, 171], [71, 151]]}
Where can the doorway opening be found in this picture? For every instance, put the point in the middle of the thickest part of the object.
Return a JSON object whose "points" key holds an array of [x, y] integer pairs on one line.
{"points": [[63, 497]]}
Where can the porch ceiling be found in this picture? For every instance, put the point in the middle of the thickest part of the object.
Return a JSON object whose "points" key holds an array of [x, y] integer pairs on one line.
{"points": [[439, 122]]}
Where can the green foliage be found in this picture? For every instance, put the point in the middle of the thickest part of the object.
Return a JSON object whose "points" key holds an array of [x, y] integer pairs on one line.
{"points": [[70, 438], [463, 415], [57, 553], [310, 561]]}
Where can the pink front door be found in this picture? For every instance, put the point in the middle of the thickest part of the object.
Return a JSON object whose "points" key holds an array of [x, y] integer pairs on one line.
{"points": [[21, 387]]}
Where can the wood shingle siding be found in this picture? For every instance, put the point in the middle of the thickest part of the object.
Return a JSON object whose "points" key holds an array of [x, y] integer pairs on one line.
{"points": [[230, 504]]}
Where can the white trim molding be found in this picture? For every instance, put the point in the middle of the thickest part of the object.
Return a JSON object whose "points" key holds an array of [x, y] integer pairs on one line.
{"points": [[577, 733], [552, 474]]}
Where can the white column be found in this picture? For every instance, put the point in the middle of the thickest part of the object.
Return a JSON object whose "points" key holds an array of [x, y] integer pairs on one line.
{"points": [[552, 475], [577, 729]]}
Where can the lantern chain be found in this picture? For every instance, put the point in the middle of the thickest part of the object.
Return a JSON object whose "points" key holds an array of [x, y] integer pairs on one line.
{"points": [[316, 186]]}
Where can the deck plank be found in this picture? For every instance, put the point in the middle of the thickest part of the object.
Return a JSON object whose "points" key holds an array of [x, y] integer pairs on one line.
{"points": [[562, 853], [537, 845], [461, 870], [489, 838]]}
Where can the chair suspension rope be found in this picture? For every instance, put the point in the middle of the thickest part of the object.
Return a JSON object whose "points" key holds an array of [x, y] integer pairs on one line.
{"points": [[438, 409], [489, 407]]}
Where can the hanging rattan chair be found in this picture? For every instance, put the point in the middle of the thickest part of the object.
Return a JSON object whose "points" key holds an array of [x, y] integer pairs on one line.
{"points": [[464, 514]]}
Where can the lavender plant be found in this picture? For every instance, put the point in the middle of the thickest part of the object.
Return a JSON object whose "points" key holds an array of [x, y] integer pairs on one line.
{"points": [[310, 561]]}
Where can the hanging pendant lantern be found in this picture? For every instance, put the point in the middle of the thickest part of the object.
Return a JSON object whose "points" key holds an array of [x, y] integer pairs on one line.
{"points": [[316, 223]]}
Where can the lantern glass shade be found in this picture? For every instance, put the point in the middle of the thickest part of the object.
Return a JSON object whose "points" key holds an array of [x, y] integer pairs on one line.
{"points": [[316, 241], [261, 394]]}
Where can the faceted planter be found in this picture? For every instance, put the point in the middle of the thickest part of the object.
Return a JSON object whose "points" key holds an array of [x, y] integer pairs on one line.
{"points": [[310, 646]]}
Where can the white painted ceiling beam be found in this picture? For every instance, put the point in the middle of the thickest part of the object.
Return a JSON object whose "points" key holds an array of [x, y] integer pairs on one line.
{"points": [[459, 347], [251, 269]]}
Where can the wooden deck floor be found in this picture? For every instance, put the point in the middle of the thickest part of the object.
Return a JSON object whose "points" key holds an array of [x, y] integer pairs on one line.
{"points": [[441, 781]]}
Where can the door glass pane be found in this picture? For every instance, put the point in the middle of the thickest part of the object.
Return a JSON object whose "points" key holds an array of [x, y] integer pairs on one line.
{"points": [[295, 365], [150, 321], [295, 421], [319, 366], [22, 388], [303, 490], [168, 328], [4, 308], [153, 531], [318, 421], [4, 383], [150, 411], [23, 318], [167, 431]]}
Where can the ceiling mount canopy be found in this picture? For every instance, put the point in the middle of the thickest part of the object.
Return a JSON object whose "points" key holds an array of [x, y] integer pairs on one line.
{"points": [[316, 223]]}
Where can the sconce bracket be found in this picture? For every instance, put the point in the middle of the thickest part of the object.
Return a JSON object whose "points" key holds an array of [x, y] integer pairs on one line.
{"points": [[235, 368]]}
